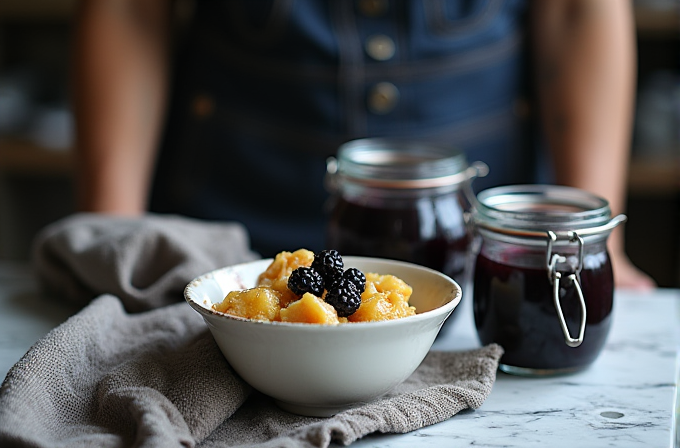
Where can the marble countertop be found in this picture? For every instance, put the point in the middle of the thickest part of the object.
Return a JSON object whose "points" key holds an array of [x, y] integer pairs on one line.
{"points": [[627, 398]]}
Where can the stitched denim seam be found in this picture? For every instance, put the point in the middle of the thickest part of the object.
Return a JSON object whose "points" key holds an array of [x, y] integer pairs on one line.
{"points": [[309, 140], [435, 12], [489, 55], [266, 34]]}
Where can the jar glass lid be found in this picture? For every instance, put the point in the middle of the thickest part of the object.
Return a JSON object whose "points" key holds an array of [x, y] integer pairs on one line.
{"points": [[394, 163], [532, 210]]}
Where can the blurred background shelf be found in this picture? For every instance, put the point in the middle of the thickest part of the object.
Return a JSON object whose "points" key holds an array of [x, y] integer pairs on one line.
{"points": [[20, 156], [36, 182], [653, 208], [37, 9], [654, 175], [660, 20]]}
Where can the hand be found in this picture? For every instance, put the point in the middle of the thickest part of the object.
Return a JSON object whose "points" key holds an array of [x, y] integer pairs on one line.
{"points": [[628, 276]]}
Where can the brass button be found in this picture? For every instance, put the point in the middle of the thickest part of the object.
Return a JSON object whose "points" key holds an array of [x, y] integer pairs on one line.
{"points": [[202, 106], [383, 98], [380, 47], [372, 8]]}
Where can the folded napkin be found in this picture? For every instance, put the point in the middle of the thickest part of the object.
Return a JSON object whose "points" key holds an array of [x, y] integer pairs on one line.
{"points": [[145, 262], [115, 376]]}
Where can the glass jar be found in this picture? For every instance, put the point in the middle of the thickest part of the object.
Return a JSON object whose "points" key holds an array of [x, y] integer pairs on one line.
{"points": [[543, 286], [402, 200]]}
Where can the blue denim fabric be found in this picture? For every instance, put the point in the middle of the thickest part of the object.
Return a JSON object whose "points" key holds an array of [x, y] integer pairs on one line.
{"points": [[287, 81]]}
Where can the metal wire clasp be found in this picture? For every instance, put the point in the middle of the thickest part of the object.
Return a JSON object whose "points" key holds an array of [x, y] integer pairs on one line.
{"points": [[552, 259]]}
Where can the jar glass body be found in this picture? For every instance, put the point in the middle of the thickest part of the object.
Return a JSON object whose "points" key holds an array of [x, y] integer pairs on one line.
{"points": [[543, 286], [513, 306], [422, 227], [402, 200]]}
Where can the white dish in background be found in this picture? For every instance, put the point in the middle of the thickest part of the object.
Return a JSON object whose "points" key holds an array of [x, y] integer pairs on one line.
{"points": [[320, 370]]}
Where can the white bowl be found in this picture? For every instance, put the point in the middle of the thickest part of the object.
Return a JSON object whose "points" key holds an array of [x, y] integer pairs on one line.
{"points": [[320, 370]]}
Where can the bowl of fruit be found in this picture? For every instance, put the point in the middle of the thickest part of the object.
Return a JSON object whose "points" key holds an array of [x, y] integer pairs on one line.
{"points": [[321, 333]]}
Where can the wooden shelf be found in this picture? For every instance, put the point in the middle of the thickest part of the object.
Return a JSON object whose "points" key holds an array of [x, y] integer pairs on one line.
{"points": [[36, 9], [18, 156], [658, 22], [654, 175]]}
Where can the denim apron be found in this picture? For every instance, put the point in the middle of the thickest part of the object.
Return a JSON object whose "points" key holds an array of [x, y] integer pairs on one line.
{"points": [[266, 91]]}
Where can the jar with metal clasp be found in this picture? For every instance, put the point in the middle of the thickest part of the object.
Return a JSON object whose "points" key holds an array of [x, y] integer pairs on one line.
{"points": [[543, 285], [402, 200]]}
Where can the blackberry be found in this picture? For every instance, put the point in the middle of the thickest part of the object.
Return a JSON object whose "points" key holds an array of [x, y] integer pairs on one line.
{"points": [[356, 277], [305, 279], [344, 297], [329, 264]]}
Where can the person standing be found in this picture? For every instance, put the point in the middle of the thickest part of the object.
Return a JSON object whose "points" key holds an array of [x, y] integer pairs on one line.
{"points": [[235, 120]]}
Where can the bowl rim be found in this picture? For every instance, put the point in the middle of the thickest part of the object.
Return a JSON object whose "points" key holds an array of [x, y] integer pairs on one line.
{"points": [[209, 312]]}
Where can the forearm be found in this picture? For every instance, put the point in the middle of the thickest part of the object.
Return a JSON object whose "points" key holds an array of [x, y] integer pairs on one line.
{"points": [[120, 82], [586, 73]]}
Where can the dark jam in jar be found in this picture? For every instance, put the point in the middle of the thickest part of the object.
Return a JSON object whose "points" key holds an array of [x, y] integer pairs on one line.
{"points": [[402, 200], [543, 286], [514, 307], [430, 232]]}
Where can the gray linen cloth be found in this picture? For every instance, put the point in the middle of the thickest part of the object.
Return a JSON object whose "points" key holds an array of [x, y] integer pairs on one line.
{"points": [[136, 368]]}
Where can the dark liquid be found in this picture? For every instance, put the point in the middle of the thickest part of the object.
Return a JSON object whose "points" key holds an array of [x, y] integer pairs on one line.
{"points": [[513, 306], [430, 232]]}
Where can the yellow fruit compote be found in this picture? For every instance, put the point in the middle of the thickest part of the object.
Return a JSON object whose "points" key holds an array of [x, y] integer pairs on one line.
{"points": [[385, 297]]}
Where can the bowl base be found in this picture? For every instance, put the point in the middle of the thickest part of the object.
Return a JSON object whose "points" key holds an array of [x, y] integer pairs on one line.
{"points": [[313, 411]]}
